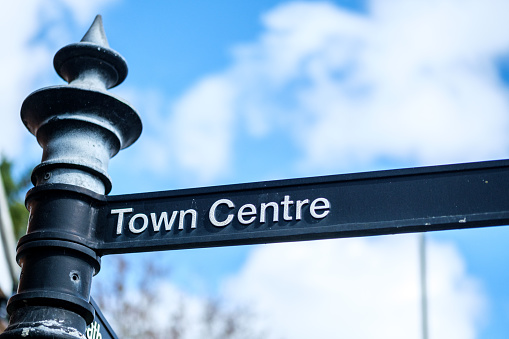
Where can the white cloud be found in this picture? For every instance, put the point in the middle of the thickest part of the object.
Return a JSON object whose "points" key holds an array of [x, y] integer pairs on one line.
{"points": [[19, 64], [357, 288], [412, 82], [31, 32], [203, 122], [195, 141]]}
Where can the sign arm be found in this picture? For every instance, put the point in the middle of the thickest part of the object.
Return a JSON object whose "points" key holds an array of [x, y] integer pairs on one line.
{"points": [[350, 205]]}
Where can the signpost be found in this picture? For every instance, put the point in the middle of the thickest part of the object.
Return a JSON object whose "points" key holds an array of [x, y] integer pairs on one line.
{"points": [[73, 222]]}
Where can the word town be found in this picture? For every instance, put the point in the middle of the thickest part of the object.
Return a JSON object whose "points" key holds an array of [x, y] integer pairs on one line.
{"points": [[246, 214]]}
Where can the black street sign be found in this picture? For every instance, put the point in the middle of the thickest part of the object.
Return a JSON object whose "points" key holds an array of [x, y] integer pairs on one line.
{"points": [[349, 205]]}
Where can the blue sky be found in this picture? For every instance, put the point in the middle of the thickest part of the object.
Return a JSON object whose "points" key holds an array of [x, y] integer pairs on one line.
{"points": [[233, 92]]}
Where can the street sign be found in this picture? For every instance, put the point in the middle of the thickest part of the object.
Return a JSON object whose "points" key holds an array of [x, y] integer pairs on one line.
{"points": [[99, 328], [362, 204]]}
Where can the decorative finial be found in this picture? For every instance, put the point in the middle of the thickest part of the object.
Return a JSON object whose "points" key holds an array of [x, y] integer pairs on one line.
{"points": [[81, 125], [91, 63], [96, 34]]}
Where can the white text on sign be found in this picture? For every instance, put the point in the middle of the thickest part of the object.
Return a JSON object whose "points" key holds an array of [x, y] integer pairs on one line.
{"points": [[246, 214]]}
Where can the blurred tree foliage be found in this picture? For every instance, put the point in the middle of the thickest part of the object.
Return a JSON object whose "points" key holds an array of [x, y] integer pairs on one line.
{"points": [[15, 190], [136, 306]]}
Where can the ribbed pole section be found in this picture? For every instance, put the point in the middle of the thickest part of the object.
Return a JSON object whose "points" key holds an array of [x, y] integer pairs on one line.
{"points": [[79, 126]]}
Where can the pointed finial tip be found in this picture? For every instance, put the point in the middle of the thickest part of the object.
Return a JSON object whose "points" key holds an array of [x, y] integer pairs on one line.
{"points": [[96, 34], [94, 45]]}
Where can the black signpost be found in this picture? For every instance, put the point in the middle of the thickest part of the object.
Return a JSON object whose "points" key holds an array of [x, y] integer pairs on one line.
{"points": [[73, 222]]}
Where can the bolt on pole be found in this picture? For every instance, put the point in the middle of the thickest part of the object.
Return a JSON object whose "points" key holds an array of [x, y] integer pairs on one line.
{"points": [[80, 126]]}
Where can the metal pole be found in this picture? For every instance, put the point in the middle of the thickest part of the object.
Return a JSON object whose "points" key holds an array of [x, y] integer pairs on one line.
{"points": [[424, 295], [80, 126]]}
